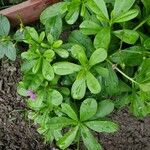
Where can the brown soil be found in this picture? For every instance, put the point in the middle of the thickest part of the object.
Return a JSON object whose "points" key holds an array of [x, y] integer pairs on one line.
{"points": [[16, 133]]}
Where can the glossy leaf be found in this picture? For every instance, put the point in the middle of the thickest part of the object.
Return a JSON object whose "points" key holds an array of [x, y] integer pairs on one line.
{"points": [[89, 140], [99, 8], [92, 83], [78, 52], [72, 14], [54, 26], [4, 26], [49, 55], [68, 138], [101, 71], [55, 97], [32, 32], [47, 70], [102, 126], [102, 39], [126, 16], [127, 36], [8, 49], [37, 66], [98, 56], [77, 37], [57, 123], [88, 109], [105, 107], [88, 27], [65, 68], [52, 11], [66, 108], [121, 7], [78, 89], [62, 52]]}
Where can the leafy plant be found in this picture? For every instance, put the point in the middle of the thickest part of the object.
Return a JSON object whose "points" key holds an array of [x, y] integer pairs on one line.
{"points": [[73, 85], [7, 47]]}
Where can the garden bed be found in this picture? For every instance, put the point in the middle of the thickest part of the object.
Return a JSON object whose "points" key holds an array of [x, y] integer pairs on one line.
{"points": [[18, 133], [79, 80]]}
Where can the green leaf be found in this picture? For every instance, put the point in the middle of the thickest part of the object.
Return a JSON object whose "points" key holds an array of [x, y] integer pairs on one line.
{"points": [[65, 68], [41, 36], [102, 126], [88, 27], [4, 26], [111, 82], [121, 7], [72, 14], [52, 11], [54, 26], [54, 97], [49, 55], [9, 49], [78, 89], [127, 36], [37, 66], [132, 56], [38, 102], [62, 52], [99, 8], [88, 109], [102, 39], [98, 56], [32, 32], [146, 5], [105, 107], [21, 90], [147, 44], [89, 140], [68, 138], [145, 87], [66, 108], [47, 70], [57, 44], [126, 16], [92, 83], [78, 52], [57, 123], [27, 65], [29, 55], [77, 37], [101, 71], [50, 39]]}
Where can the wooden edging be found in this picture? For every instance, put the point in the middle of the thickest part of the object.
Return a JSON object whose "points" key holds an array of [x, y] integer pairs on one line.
{"points": [[28, 11]]}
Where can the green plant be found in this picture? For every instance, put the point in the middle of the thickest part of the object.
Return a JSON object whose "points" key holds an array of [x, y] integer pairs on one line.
{"points": [[72, 86], [8, 41]]}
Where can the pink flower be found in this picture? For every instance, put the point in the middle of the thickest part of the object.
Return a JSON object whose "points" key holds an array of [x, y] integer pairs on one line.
{"points": [[31, 94]]}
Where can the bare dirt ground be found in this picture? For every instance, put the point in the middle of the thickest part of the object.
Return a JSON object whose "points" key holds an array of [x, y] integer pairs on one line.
{"points": [[17, 133]]}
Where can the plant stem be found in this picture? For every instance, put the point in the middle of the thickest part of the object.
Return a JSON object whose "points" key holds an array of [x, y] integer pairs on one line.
{"points": [[133, 81], [126, 76], [78, 142], [141, 23]]}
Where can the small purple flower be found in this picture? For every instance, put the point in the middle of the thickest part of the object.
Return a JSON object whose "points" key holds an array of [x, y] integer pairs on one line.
{"points": [[31, 94]]}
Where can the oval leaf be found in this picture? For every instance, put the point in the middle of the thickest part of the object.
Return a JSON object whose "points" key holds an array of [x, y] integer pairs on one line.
{"points": [[78, 89], [66, 108], [102, 126], [68, 138], [89, 140], [98, 56], [47, 70], [65, 68], [92, 83], [88, 109]]}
